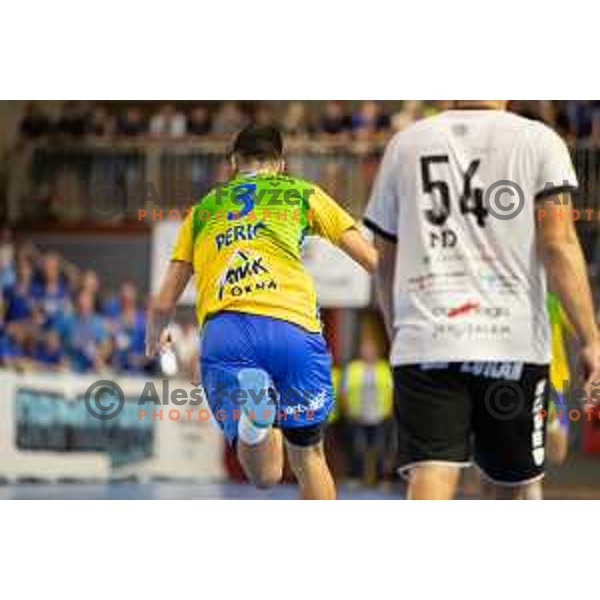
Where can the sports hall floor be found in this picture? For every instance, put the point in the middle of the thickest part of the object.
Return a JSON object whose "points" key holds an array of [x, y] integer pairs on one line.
{"points": [[169, 491]]}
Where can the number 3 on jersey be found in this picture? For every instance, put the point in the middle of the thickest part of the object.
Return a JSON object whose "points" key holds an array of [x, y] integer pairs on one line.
{"points": [[243, 193], [470, 201]]}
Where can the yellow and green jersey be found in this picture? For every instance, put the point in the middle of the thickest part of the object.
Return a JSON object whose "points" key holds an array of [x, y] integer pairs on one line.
{"points": [[559, 364], [244, 240]]}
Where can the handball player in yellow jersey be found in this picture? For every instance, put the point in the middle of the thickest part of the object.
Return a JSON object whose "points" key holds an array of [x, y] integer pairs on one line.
{"points": [[266, 370]]}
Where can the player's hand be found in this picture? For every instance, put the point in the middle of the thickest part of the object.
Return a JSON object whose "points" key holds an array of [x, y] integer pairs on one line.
{"points": [[589, 357], [157, 332], [165, 341], [155, 344]]}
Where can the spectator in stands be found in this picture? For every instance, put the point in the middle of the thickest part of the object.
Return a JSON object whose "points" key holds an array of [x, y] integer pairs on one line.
{"points": [[228, 119], [561, 121], [411, 111], [199, 121], [128, 326], [168, 122], [101, 122], [86, 336], [116, 304], [35, 124], [367, 394], [73, 119], [335, 122], [51, 293], [90, 283], [369, 122], [132, 123], [580, 117], [20, 298], [595, 134], [295, 120], [49, 353], [265, 114], [7, 265], [129, 339], [12, 352]]}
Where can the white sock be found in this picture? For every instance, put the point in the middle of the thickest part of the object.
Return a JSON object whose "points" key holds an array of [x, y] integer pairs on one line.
{"points": [[249, 433]]}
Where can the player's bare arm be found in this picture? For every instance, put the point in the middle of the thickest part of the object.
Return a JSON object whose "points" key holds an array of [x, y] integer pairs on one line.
{"points": [[163, 305], [384, 280], [359, 249], [564, 261], [330, 221]]}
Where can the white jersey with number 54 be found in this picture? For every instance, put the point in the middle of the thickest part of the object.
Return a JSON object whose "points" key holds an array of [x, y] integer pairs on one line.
{"points": [[457, 193]]}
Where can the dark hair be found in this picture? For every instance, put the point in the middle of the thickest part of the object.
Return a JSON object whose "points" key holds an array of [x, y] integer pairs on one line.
{"points": [[259, 142]]}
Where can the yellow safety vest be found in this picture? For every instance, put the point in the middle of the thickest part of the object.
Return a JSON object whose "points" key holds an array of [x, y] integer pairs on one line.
{"points": [[354, 387], [335, 380]]}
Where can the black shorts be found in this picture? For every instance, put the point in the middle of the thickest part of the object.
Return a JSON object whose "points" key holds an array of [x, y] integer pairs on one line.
{"points": [[304, 436], [491, 412]]}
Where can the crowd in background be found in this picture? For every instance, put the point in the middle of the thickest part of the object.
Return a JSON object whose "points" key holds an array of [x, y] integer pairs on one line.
{"points": [[80, 120], [66, 152], [54, 316], [335, 120]]}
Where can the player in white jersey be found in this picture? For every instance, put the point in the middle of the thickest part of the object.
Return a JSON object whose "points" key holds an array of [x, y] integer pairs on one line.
{"points": [[470, 209]]}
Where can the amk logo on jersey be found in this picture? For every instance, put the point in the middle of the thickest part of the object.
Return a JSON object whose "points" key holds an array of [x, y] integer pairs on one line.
{"points": [[246, 272]]}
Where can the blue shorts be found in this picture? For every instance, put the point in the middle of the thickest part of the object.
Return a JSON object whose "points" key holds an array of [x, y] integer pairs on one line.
{"points": [[297, 362]]}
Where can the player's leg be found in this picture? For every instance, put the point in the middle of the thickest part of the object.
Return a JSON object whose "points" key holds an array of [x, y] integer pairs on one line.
{"points": [[302, 374], [557, 442], [509, 427], [259, 445], [238, 393], [433, 412], [262, 462], [527, 491], [309, 465], [433, 481]]}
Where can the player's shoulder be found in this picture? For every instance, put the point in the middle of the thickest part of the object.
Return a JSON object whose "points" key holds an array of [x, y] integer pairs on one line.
{"points": [[506, 125], [526, 126], [531, 136], [204, 200]]}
